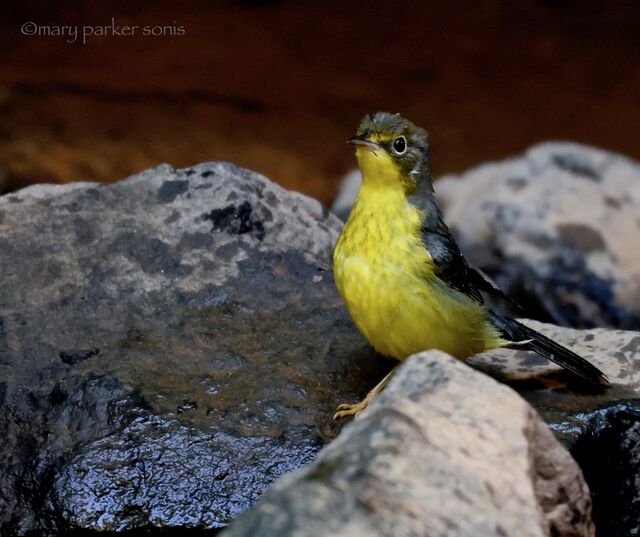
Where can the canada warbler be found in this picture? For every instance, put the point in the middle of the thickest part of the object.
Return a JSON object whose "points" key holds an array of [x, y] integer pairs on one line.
{"points": [[400, 272]]}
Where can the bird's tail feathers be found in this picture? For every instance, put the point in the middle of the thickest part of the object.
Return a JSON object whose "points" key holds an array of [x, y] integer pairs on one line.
{"points": [[528, 338]]}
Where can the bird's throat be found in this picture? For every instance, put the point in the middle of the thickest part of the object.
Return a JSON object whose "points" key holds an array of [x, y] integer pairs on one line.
{"points": [[379, 171]]}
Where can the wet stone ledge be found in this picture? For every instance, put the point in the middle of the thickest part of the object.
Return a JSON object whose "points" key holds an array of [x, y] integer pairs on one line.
{"points": [[169, 346]]}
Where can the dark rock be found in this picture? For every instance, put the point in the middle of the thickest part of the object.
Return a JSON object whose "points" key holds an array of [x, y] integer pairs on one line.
{"points": [[442, 451], [576, 163], [75, 357], [171, 189], [222, 353], [236, 219], [609, 452]]}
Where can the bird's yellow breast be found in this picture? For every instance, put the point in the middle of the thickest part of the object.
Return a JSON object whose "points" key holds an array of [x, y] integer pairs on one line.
{"points": [[386, 277]]}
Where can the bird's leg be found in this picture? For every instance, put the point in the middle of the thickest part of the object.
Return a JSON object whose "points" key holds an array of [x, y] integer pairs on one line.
{"points": [[353, 410]]}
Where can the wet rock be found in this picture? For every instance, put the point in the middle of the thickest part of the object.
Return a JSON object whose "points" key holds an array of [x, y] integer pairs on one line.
{"points": [[600, 428], [169, 345], [609, 455], [442, 451], [558, 229]]}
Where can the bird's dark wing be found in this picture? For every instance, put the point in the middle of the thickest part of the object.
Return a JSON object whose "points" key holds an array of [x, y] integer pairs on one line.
{"points": [[482, 282], [451, 266], [449, 263]]}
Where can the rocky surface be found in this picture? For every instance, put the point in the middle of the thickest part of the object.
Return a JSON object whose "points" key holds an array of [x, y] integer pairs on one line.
{"points": [[169, 345], [442, 451], [558, 229], [601, 429], [172, 344]]}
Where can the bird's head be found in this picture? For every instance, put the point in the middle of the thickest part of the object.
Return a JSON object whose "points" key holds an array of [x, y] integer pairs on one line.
{"points": [[390, 149]]}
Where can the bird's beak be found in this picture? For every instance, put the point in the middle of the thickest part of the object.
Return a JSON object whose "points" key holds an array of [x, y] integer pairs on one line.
{"points": [[361, 141]]}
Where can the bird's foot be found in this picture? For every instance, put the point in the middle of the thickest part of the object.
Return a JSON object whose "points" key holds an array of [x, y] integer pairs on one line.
{"points": [[346, 410], [353, 410]]}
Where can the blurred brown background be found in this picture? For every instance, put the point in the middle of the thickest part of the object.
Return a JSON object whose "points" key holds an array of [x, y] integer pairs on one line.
{"points": [[278, 86]]}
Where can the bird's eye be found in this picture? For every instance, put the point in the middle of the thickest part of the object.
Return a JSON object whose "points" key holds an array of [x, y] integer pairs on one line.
{"points": [[400, 145]]}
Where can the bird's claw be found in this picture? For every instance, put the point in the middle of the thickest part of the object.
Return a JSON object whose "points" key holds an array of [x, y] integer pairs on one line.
{"points": [[346, 410], [353, 410]]}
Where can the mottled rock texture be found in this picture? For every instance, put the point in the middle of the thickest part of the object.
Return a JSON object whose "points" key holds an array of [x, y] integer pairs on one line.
{"points": [[601, 429], [169, 345], [558, 228], [443, 450]]}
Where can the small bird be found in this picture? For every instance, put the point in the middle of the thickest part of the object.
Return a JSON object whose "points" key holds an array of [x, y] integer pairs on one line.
{"points": [[401, 274]]}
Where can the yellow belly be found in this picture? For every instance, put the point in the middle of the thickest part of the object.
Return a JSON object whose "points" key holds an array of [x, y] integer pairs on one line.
{"points": [[385, 277]]}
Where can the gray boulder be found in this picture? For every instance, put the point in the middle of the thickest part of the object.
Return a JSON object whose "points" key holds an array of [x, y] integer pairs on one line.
{"points": [[169, 346], [558, 228], [443, 450]]}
